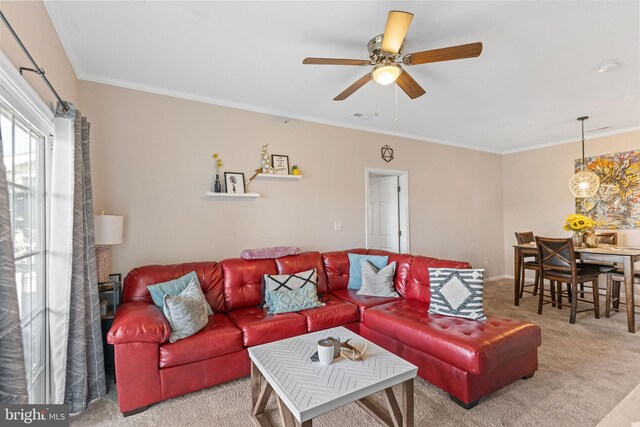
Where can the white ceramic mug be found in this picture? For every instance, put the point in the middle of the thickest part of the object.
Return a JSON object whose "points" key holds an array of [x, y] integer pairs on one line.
{"points": [[325, 351]]}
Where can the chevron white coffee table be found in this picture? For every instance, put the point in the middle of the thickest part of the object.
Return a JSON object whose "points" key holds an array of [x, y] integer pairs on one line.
{"points": [[306, 389]]}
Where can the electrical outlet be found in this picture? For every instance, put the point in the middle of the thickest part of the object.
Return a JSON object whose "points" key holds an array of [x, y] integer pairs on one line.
{"points": [[337, 226]]}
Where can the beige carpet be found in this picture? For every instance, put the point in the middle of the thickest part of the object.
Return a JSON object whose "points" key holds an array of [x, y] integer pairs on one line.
{"points": [[585, 370]]}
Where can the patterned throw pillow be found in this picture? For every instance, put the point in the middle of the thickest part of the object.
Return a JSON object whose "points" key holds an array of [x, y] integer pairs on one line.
{"points": [[291, 300], [457, 292], [173, 288], [355, 267], [274, 282], [378, 283], [187, 312]]}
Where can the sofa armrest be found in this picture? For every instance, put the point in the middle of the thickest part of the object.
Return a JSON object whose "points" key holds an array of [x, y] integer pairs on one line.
{"points": [[139, 321]]}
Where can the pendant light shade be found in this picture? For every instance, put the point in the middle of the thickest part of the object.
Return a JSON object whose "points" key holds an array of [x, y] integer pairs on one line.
{"points": [[584, 183]]}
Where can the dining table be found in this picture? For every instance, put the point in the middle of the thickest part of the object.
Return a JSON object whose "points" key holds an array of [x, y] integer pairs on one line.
{"points": [[625, 255]]}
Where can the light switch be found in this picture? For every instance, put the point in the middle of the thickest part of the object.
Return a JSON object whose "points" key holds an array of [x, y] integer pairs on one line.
{"points": [[337, 226]]}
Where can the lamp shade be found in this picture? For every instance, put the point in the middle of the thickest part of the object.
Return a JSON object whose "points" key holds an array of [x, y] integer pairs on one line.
{"points": [[108, 229]]}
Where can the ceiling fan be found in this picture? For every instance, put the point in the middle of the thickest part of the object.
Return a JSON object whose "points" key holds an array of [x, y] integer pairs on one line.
{"points": [[384, 53]]}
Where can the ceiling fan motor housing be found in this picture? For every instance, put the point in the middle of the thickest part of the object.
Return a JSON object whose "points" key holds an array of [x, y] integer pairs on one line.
{"points": [[377, 55]]}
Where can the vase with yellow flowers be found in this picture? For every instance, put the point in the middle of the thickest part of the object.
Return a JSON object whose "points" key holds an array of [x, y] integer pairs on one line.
{"points": [[216, 185], [581, 225]]}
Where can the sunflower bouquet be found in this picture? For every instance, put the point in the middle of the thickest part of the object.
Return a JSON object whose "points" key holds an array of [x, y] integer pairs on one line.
{"points": [[578, 223]]}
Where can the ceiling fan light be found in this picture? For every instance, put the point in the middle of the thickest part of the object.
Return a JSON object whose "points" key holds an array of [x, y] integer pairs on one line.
{"points": [[386, 74]]}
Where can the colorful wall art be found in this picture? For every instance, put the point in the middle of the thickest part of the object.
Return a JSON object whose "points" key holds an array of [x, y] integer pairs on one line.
{"points": [[617, 203]]}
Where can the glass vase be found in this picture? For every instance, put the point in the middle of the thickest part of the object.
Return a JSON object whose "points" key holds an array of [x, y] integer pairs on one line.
{"points": [[216, 185], [578, 240]]}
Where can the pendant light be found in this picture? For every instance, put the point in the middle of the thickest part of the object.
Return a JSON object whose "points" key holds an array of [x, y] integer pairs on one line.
{"points": [[584, 183]]}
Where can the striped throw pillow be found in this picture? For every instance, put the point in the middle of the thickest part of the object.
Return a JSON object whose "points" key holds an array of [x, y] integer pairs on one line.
{"points": [[457, 292]]}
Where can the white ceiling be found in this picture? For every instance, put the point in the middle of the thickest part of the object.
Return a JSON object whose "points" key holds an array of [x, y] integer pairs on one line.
{"points": [[536, 75]]}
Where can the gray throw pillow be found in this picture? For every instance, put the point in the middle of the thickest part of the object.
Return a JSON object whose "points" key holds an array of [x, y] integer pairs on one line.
{"points": [[186, 312], [378, 283], [457, 292]]}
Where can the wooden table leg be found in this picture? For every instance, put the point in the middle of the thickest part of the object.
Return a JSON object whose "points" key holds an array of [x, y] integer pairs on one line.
{"points": [[255, 384], [516, 276], [628, 290], [286, 417], [260, 393], [407, 403]]}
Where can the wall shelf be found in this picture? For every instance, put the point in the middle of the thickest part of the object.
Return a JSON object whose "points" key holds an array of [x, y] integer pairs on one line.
{"points": [[275, 176], [232, 195]]}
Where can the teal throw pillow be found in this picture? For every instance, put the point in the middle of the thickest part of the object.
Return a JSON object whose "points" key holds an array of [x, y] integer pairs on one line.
{"points": [[355, 267], [291, 300], [173, 288]]}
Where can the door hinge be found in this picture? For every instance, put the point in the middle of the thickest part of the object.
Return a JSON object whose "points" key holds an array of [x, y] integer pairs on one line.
{"points": [[399, 233], [398, 188]]}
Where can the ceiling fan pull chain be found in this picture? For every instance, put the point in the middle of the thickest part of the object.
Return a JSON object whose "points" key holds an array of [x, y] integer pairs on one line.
{"points": [[376, 85], [396, 103]]}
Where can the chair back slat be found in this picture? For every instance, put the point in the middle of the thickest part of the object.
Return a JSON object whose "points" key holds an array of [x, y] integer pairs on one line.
{"points": [[608, 238], [556, 254], [524, 237]]}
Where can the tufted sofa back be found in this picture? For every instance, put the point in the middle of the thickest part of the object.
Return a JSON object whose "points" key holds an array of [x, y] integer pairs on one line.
{"points": [[237, 283], [209, 275], [243, 281]]}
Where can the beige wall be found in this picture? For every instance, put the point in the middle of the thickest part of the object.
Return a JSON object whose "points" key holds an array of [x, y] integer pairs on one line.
{"points": [[536, 189], [151, 162], [31, 22]]}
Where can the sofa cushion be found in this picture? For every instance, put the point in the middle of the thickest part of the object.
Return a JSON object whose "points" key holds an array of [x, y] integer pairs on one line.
{"points": [[209, 276], [457, 292], [303, 262], [220, 336], [243, 281], [471, 345], [336, 312], [418, 278], [362, 301], [278, 282], [294, 300], [336, 266], [403, 266], [259, 327]]}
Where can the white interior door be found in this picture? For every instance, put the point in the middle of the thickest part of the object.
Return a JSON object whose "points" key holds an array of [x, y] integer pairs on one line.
{"points": [[383, 212]]}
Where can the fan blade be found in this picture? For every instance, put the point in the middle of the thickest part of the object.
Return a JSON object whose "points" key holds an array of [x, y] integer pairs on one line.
{"points": [[354, 87], [336, 61], [409, 86], [445, 54], [397, 26]]}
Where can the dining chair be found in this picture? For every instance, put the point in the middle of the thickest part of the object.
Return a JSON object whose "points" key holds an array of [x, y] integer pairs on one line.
{"points": [[557, 263], [608, 238], [614, 281], [528, 263]]}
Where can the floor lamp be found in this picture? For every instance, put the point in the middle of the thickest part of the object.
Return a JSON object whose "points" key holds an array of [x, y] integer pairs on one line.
{"points": [[108, 232]]}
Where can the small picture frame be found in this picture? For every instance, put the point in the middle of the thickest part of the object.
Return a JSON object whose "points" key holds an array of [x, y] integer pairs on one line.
{"points": [[280, 164], [234, 182]]}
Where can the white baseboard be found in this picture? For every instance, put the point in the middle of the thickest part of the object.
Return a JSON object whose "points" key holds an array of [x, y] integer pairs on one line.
{"points": [[496, 278]]}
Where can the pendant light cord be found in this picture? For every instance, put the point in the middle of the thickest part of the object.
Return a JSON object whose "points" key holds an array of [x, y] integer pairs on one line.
{"points": [[582, 119]]}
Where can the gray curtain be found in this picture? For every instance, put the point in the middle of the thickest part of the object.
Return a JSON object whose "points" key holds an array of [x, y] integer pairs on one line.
{"points": [[85, 379], [13, 382]]}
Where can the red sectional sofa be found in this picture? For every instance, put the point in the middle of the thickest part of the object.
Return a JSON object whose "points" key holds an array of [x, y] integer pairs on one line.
{"points": [[467, 359]]}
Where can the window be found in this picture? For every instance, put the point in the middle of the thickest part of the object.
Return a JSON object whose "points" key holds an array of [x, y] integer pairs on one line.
{"points": [[23, 150]]}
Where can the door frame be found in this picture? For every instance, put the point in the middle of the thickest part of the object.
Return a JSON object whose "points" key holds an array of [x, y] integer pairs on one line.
{"points": [[403, 202]]}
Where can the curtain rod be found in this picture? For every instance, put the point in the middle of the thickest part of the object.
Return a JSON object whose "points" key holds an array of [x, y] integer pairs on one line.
{"points": [[35, 68]]}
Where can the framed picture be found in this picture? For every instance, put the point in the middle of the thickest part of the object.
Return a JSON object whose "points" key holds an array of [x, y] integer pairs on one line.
{"points": [[280, 164], [234, 182]]}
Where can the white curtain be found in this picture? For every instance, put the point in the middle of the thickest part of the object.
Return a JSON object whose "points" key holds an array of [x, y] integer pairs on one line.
{"points": [[76, 340]]}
